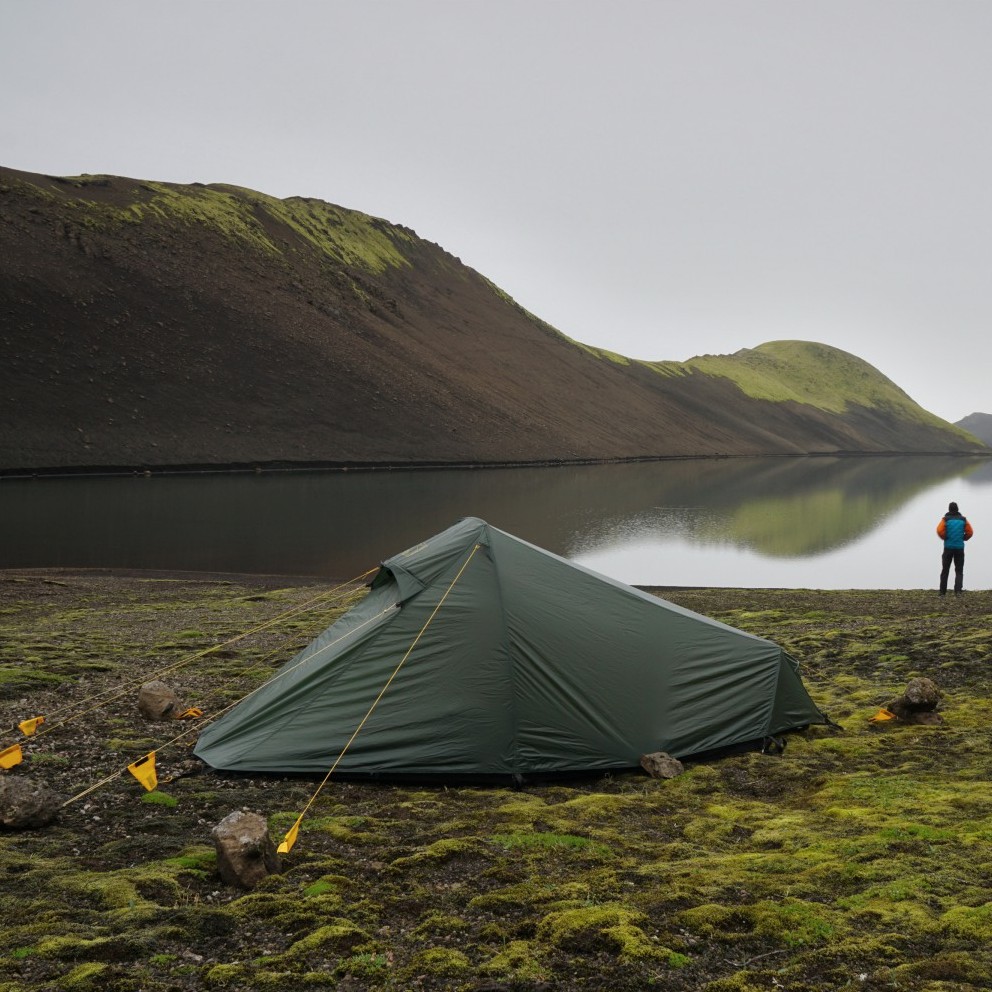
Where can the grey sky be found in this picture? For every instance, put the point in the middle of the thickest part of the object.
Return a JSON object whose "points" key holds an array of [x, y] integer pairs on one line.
{"points": [[664, 178]]}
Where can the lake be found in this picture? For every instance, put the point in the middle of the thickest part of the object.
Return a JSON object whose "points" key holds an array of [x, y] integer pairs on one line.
{"points": [[824, 522]]}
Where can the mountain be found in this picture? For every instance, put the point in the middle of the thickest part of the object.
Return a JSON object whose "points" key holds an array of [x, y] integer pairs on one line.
{"points": [[147, 324], [978, 424]]}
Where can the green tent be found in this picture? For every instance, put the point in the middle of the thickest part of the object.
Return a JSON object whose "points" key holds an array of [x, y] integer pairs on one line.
{"points": [[505, 659]]}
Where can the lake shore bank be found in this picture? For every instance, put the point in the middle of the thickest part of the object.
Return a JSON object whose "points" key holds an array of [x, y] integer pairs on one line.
{"points": [[277, 468], [859, 857]]}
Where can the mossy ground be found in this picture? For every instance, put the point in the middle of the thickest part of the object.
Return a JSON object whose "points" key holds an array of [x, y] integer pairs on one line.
{"points": [[859, 859]]}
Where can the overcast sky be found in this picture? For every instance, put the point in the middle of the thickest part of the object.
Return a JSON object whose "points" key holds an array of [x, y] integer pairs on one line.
{"points": [[664, 178]]}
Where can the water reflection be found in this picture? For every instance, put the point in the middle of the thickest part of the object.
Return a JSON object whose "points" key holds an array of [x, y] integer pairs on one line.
{"points": [[776, 506], [339, 524]]}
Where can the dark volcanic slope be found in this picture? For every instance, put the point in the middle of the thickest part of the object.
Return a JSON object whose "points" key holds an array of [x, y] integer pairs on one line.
{"points": [[147, 324]]}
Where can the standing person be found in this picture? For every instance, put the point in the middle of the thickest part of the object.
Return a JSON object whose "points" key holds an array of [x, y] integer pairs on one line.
{"points": [[953, 530]]}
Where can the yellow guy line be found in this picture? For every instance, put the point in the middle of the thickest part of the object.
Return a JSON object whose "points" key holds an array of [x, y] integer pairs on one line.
{"points": [[102, 699], [196, 728], [95, 786], [290, 839]]}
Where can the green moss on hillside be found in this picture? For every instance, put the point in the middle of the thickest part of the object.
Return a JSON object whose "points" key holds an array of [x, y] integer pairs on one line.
{"points": [[816, 375], [667, 368], [348, 237], [200, 205], [806, 372]]}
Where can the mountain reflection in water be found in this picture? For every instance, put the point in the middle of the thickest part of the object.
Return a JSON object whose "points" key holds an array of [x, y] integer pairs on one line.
{"points": [[725, 522]]}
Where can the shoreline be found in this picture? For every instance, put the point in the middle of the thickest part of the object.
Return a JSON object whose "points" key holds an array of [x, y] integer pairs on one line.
{"points": [[272, 580], [281, 467]]}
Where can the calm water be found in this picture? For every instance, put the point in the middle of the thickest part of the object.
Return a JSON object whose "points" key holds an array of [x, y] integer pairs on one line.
{"points": [[802, 523]]}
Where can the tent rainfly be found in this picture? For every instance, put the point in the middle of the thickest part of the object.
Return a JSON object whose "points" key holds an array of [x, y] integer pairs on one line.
{"points": [[480, 654]]}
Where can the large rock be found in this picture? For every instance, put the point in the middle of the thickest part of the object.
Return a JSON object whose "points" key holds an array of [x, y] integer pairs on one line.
{"points": [[25, 804], [245, 852], [157, 701], [660, 764]]}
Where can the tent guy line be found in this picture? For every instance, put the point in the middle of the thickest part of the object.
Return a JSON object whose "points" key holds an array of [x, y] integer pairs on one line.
{"points": [[30, 727], [144, 768], [290, 839]]}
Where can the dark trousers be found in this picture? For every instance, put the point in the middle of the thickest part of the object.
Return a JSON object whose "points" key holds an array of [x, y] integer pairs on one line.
{"points": [[955, 555]]}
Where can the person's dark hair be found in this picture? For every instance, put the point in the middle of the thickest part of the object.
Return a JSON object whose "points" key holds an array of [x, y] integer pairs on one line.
{"points": [[952, 508]]}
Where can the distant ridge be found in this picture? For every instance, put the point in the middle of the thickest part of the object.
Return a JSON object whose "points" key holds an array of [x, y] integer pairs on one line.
{"points": [[148, 324], [979, 424]]}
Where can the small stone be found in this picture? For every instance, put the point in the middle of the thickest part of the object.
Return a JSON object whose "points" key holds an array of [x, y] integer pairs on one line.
{"points": [[245, 852], [660, 764], [156, 701]]}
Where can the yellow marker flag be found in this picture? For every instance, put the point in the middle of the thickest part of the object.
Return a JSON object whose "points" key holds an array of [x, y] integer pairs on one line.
{"points": [[290, 839], [144, 771], [28, 727], [11, 756], [882, 715]]}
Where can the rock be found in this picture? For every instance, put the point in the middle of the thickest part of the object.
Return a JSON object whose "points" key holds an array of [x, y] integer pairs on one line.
{"points": [[156, 701], [918, 703], [921, 694], [245, 852], [25, 804], [661, 765]]}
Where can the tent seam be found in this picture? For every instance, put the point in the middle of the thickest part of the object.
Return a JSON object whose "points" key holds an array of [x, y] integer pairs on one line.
{"points": [[515, 722]]}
